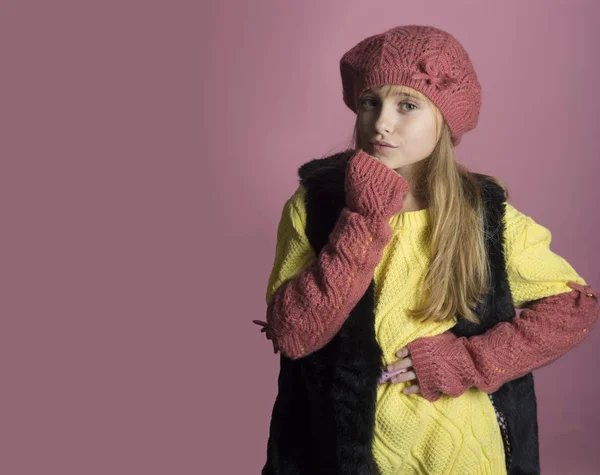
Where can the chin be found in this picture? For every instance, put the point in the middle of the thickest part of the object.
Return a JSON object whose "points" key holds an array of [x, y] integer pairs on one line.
{"points": [[387, 159]]}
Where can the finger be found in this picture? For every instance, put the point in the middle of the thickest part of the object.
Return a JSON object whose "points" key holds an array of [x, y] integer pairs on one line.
{"points": [[404, 377], [411, 389], [402, 352], [400, 364]]}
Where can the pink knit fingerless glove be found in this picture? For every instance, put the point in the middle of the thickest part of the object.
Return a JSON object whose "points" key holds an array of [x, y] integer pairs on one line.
{"points": [[373, 188], [307, 311], [546, 330]]}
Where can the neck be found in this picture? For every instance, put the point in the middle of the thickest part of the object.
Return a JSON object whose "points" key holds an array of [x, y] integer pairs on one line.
{"points": [[411, 203], [410, 200]]}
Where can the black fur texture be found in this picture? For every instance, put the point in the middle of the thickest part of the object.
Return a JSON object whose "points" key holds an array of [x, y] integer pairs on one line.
{"points": [[324, 413]]}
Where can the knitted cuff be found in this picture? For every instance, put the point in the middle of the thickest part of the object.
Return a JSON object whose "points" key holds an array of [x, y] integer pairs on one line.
{"points": [[373, 188], [427, 364], [363, 166]]}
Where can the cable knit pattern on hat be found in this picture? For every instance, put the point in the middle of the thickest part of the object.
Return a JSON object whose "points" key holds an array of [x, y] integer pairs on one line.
{"points": [[425, 58]]}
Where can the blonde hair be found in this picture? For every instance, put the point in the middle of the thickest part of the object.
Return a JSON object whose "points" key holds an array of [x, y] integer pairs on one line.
{"points": [[459, 273]]}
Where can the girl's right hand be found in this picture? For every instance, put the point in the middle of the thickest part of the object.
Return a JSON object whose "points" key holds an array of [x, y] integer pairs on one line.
{"points": [[373, 188]]}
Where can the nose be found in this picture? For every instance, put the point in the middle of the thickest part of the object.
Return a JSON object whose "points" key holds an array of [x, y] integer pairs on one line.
{"points": [[384, 122]]}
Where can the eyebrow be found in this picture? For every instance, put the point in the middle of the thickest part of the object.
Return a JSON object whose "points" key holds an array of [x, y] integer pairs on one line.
{"points": [[397, 93]]}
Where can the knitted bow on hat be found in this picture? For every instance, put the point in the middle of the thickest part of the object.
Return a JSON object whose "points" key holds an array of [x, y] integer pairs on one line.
{"points": [[433, 75]]}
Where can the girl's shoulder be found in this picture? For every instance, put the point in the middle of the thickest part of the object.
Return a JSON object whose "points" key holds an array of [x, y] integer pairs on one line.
{"points": [[296, 202], [529, 252], [534, 269], [293, 215], [512, 215], [519, 223], [522, 230]]}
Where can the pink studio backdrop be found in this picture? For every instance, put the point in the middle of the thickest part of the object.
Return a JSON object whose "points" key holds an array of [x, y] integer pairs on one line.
{"points": [[147, 150]]}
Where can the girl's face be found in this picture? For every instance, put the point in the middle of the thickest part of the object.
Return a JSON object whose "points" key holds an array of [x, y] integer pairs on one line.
{"points": [[401, 117]]}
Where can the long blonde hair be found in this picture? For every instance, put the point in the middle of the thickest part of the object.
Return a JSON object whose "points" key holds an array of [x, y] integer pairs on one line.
{"points": [[459, 273]]}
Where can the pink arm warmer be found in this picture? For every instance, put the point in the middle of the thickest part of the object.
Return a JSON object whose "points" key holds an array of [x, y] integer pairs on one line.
{"points": [[307, 311], [547, 329]]}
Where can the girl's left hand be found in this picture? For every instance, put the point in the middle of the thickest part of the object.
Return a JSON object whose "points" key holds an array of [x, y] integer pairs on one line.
{"points": [[404, 362]]}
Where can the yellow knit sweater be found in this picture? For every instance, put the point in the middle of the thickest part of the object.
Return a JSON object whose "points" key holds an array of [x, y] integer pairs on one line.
{"points": [[412, 435]]}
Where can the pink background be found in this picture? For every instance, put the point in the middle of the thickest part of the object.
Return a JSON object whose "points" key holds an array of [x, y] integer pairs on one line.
{"points": [[147, 150]]}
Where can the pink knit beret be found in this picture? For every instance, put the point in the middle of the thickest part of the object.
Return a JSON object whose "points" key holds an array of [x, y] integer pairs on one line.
{"points": [[425, 58]]}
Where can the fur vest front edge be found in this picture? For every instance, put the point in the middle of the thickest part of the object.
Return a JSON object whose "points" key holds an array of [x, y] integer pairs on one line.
{"points": [[324, 413]]}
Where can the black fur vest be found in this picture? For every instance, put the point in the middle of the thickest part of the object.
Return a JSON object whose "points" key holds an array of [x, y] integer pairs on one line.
{"points": [[324, 413]]}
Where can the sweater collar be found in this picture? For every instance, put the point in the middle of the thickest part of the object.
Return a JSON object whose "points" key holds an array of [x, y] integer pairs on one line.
{"points": [[410, 219]]}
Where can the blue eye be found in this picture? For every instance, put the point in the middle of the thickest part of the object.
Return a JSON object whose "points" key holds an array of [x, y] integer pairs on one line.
{"points": [[412, 106]]}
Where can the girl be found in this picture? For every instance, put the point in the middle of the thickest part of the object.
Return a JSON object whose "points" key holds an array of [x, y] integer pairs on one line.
{"points": [[396, 277]]}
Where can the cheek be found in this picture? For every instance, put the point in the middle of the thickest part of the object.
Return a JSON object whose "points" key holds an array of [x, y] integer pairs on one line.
{"points": [[421, 135]]}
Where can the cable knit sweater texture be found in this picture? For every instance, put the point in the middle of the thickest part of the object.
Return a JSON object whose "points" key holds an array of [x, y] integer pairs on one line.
{"points": [[309, 298], [333, 283]]}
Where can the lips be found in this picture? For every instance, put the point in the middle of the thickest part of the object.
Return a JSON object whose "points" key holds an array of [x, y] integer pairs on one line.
{"points": [[381, 144]]}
